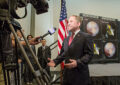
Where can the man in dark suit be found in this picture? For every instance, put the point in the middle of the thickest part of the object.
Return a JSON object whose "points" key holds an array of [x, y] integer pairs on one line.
{"points": [[77, 51], [43, 54]]}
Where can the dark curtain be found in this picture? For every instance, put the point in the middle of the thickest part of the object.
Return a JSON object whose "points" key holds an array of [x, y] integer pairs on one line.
{"points": [[99, 80], [105, 80]]}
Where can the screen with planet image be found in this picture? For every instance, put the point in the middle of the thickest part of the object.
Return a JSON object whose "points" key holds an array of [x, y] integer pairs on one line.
{"points": [[92, 26], [109, 29], [110, 49], [105, 32]]}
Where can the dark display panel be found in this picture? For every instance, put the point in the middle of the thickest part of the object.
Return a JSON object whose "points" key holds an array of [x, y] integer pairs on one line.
{"points": [[105, 32]]}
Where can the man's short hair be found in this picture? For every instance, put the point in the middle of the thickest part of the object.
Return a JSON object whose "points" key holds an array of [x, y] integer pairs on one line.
{"points": [[78, 18]]}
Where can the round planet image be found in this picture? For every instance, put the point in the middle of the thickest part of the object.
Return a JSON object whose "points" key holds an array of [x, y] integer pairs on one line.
{"points": [[92, 28], [109, 49]]}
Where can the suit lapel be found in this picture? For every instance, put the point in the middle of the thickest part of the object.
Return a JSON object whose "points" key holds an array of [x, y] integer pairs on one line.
{"points": [[66, 42]]}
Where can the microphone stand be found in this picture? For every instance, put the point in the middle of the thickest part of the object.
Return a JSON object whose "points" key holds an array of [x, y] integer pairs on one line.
{"points": [[52, 82], [53, 47], [53, 43], [50, 45]]}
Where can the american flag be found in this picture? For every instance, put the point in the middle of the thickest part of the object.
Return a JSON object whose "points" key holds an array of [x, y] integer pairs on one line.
{"points": [[62, 31]]}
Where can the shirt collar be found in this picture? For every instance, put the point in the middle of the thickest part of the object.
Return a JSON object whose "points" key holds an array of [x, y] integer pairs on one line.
{"points": [[43, 46], [76, 32]]}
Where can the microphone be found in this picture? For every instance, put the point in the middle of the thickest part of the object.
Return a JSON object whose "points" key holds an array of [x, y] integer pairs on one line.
{"points": [[50, 31]]}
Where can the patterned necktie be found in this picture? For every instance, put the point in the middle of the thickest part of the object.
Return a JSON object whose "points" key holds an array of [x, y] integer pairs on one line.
{"points": [[71, 38]]}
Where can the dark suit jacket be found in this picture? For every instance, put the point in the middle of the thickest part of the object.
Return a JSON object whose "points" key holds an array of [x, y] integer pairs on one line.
{"points": [[81, 49], [43, 59]]}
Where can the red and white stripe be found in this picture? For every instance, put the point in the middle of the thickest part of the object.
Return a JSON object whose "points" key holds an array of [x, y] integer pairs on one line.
{"points": [[62, 33]]}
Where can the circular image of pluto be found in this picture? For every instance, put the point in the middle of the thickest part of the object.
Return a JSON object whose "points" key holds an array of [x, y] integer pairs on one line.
{"points": [[92, 28], [109, 49]]}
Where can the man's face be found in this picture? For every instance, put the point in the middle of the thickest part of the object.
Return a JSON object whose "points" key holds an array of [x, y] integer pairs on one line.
{"points": [[43, 42], [73, 24]]}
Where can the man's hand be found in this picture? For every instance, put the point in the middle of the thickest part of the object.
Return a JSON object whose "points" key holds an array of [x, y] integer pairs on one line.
{"points": [[34, 41], [73, 64], [51, 63]]}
